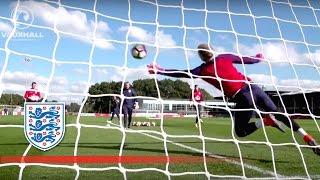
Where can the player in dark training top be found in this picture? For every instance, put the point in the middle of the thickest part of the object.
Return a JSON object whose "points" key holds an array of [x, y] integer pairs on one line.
{"points": [[115, 107], [129, 104], [220, 72]]}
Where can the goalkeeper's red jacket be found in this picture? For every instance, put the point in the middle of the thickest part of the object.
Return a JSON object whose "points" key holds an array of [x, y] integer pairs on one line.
{"points": [[218, 69], [198, 96], [31, 92]]}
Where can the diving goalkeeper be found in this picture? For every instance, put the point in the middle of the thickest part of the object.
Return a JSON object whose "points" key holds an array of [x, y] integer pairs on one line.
{"points": [[220, 72]]}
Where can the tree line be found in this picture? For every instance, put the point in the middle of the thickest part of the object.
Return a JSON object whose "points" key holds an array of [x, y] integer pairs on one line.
{"points": [[12, 99], [168, 89], [18, 100]]}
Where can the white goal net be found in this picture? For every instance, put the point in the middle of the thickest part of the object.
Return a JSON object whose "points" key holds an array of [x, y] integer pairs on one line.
{"points": [[70, 46]]}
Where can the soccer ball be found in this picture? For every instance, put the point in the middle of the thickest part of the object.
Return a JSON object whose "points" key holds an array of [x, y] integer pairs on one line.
{"points": [[139, 51]]}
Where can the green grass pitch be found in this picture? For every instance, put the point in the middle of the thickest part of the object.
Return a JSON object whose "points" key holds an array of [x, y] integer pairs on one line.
{"points": [[106, 141]]}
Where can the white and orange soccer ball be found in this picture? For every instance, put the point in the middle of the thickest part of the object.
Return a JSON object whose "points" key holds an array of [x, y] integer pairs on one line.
{"points": [[139, 51]]}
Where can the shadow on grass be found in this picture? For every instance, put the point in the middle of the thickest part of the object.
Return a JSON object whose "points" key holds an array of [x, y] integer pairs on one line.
{"points": [[130, 147]]}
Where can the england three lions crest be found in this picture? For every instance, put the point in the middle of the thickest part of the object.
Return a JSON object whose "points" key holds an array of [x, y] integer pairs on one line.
{"points": [[44, 124]]}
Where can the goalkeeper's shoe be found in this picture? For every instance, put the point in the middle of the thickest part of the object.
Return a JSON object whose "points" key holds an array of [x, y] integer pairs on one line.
{"points": [[311, 142], [270, 120]]}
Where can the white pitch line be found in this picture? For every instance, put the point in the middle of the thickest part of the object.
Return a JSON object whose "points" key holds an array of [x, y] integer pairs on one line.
{"points": [[23, 165], [255, 168]]}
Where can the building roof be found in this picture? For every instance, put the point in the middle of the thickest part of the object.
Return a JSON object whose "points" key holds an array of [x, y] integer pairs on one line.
{"points": [[183, 101]]}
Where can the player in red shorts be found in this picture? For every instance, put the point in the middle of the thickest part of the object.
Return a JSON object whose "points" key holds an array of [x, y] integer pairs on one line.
{"points": [[32, 95], [220, 72]]}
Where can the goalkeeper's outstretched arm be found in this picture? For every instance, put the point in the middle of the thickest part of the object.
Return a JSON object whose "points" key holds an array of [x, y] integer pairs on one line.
{"points": [[155, 69], [244, 59]]}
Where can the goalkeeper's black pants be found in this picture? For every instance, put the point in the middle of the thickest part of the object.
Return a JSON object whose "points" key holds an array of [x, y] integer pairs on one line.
{"points": [[244, 100], [127, 115]]}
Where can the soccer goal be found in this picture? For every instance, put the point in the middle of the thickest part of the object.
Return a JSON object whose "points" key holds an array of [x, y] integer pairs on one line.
{"points": [[72, 47]]}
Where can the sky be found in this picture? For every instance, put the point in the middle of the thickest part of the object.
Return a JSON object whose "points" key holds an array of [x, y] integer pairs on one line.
{"points": [[71, 45]]}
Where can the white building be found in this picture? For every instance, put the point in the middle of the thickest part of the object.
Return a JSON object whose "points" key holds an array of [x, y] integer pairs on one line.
{"points": [[181, 105]]}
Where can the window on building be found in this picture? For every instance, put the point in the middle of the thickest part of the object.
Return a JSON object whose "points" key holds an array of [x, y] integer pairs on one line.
{"points": [[178, 107]]}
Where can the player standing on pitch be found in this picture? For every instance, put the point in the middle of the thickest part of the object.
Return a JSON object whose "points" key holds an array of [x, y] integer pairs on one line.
{"points": [[221, 73], [32, 95], [128, 104], [198, 97], [115, 107]]}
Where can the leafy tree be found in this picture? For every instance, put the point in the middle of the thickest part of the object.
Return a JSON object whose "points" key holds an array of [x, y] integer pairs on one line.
{"points": [[73, 107], [169, 89], [12, 99], [206, 95]]}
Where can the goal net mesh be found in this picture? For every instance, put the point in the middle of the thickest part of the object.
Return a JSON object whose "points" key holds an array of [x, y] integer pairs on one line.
{"points": [[285, 31]]}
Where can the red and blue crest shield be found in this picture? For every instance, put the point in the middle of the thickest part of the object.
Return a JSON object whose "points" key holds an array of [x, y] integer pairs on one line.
{"points": [[44, 124]]}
